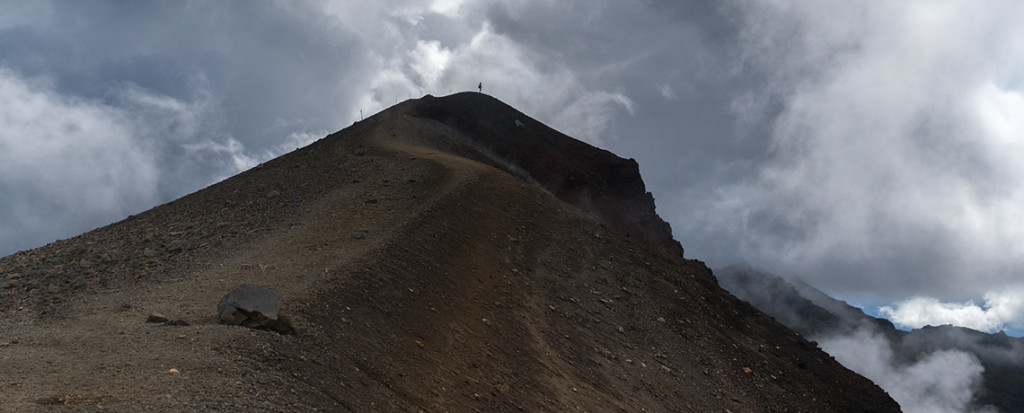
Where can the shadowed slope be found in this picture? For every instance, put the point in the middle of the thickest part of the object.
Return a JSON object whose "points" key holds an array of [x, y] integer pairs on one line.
{"points": [[592, 179], [418, 279]]}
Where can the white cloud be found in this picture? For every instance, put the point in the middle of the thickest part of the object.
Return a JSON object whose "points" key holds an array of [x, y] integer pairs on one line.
{"points": [[590, 116], [545, 89], [186, 137], [524, 78], [72, 164], [939, 382], [998, 113], [429, 60], [164, 118], [895, 160], [228, 149], [69, 161], [295, 141], [448, 8], [1001, 310]]}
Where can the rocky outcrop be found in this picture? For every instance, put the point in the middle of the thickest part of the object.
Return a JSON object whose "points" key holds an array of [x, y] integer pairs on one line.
{"points": [[590, 178]]}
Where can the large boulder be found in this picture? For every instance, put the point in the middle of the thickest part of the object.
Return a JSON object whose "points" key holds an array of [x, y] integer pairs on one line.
{"points": [[253, 307]]}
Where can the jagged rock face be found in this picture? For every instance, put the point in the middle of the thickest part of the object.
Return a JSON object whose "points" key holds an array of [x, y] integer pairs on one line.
{"points": [[590, 178]]}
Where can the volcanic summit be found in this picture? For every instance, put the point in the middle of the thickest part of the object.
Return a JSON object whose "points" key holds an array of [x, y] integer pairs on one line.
{"points": [[445, 254]]}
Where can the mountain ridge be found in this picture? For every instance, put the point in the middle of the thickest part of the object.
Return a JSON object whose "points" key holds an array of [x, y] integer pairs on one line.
{"points": [[818, 316], [417, 278]]}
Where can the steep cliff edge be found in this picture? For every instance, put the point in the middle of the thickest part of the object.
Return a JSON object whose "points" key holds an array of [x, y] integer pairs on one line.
{"points": [[582, 175]]}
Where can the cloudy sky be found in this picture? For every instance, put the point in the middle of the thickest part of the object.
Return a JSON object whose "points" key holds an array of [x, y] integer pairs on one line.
{"points": [[875, 149]]}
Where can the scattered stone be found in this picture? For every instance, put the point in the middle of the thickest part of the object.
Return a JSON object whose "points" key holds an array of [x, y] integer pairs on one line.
{"points": [[53, 289], [176, 246], [359, 151], [156, 318], [486, 321], [78, 283], [358, 235], [747, 370], [661, 320], [175, 322], [10, 284], [173, 371], [253, 307], [273, 194]]}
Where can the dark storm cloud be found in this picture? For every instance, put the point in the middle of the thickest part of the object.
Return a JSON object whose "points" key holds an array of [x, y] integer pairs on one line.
{"points": [[872, 149], [680, 65], [243, 56], [148, 101]]}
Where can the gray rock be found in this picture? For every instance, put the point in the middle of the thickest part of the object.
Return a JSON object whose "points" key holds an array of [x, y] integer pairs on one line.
{"points": [[175, 246], [156, 318], [253, 307], [273, 194]]}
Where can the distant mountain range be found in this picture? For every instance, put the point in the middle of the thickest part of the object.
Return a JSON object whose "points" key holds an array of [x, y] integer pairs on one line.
{"points": [[818, 316]]}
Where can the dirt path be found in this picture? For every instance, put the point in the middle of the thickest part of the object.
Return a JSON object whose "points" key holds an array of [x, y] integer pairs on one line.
{"points": [[104, 356], [417, 279]]}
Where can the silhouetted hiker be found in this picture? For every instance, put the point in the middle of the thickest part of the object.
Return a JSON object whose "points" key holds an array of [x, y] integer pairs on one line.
{"points": [[480, 87]]}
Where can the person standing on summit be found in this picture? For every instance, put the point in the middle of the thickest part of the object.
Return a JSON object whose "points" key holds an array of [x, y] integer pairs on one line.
{"points": [[480, 87]]}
